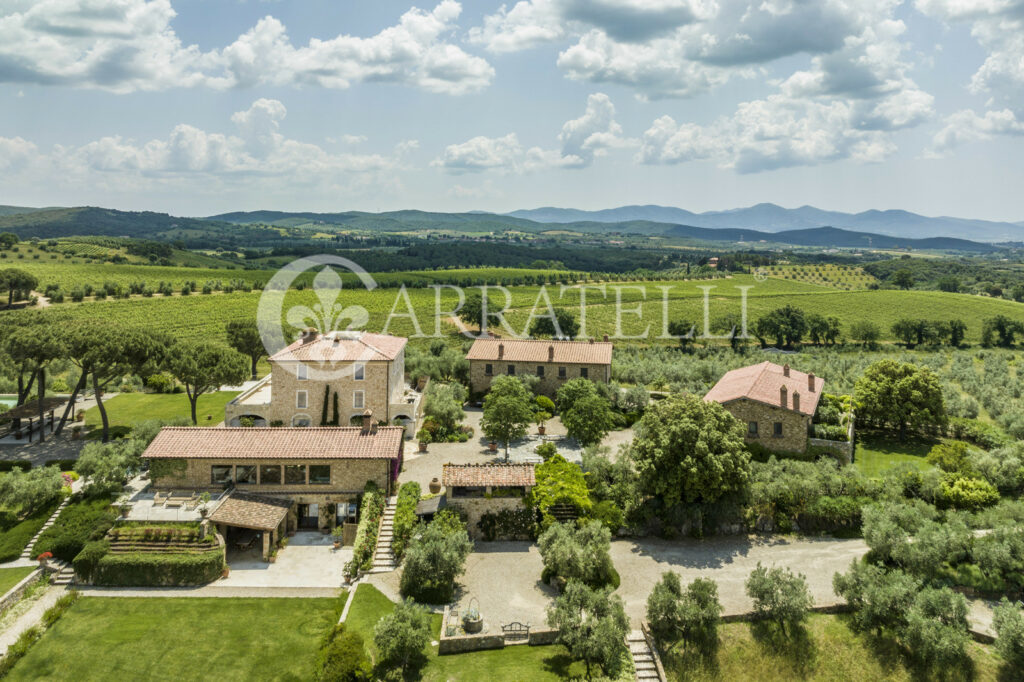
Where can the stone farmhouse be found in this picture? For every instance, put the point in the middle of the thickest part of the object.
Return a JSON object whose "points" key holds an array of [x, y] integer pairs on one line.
{"points": [[775, 403], [554, 362], [279, 479], [481, 488], [331, 380]]}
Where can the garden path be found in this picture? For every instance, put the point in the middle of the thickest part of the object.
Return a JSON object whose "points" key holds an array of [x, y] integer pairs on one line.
{"points": [[31, 617]]}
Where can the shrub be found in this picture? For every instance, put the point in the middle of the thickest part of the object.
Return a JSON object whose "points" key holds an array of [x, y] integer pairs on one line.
{"points": [[402, 635], [577, 554], [1008, 622], [12, 464], [405, 518], [609, 514], [30, 490], [879, 598], [545, 404], [87, 560], [342, 657], [434, 559], [140, 569], [508, 524], [17, 534], [936, 629], [365, 544], [779, 595], [79, 523], [546, 450], [965, 492], [558, 482]]}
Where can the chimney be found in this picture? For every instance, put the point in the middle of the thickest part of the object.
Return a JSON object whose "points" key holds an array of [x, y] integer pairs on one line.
{"points": [[501, 351], [796, 400], [785, 370], [810, 382], [309, 335], [606, 338], [367, 420], [591, 339], [782, 396], [551, 353]]}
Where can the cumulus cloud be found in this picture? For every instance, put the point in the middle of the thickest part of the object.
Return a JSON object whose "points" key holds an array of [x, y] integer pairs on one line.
{"points": [[768, 134], [680, 48], [129, 45], [582, 139], [254, 154], [969, 126]]}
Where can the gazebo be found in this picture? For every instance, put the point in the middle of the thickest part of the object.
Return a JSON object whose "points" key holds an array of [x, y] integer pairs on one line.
{"points": [[31, 411]]}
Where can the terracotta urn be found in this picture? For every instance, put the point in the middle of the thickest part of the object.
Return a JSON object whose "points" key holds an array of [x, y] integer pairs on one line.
{"points": [[423, 446], [492, 446], [435, 486], [542, 430]]}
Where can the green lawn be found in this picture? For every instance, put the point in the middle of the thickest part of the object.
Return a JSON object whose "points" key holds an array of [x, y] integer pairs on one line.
{"points": [[103, 638], [128, 409], [877, 453], [512, 663], [826, 650], [14, 539], [9, 577]]}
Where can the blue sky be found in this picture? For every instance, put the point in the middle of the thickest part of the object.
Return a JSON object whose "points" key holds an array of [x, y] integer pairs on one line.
{"points": [[200, 106]]}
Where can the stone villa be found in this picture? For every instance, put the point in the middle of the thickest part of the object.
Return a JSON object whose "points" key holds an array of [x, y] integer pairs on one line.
{"points": [[280, 479], [554, 362], [481, 488], [775, 403], [331, 380]]}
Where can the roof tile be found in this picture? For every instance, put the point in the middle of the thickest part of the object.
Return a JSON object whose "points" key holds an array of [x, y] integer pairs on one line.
{"points": [[537, 350], [763, 383], [498, 475], [195, 442]]}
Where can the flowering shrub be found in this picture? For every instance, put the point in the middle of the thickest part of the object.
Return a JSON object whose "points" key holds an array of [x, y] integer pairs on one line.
{"points": [[45, 556]]}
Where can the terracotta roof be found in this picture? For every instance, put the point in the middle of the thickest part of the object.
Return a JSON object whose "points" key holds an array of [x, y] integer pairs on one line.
{"points": [[498, 475], [763, 383], [343, 347], [194, 442], [251, 511], [539, 350]]}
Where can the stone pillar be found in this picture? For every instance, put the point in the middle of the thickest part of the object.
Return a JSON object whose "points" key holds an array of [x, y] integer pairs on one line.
{"points": [[267, 538]]}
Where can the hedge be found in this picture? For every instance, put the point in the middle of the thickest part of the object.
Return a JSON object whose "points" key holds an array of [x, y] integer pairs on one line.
{"points": [[366, 534], [141, 569], [63, 464], [79, 523], [405, 518], [11, 465], [16, 535]]}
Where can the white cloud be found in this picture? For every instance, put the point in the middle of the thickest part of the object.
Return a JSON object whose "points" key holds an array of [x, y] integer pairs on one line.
{"points": [[968, 126], [256, 155], [680, 48], [128, 45], [768, 134], [582, 139]]}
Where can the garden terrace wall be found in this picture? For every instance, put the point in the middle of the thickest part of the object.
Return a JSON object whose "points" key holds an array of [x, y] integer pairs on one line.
{"points": [[14, 594], [460, 644]]}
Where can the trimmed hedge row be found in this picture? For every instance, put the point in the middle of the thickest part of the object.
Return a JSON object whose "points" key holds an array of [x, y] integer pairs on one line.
{"points": [[370, 512], [80, 522], [139, 569], [405, 518]]}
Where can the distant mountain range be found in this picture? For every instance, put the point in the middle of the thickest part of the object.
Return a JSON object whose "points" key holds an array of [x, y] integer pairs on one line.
{"points": [[773, 218]]}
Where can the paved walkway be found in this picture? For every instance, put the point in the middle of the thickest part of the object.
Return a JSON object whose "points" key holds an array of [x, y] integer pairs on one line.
{"points": [[31, 617], [217, 589], [309, 561]]}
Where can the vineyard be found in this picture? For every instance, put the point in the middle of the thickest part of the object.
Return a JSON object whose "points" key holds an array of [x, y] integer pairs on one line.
{"points": [[642, 306], [845, 277]]}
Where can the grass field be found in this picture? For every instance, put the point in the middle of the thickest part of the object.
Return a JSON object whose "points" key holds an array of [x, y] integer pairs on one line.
{"points": [[181, 639], [514, 663], [14, 539], [643, 307], [127, 409], [9, 577], [828, 650], [878, 453]]}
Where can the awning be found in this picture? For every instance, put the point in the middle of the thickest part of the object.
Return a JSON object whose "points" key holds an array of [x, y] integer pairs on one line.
{"points": [[251, 511]]}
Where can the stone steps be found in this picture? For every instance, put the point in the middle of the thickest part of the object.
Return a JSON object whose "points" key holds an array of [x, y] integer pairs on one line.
{"points": [[383, 557], [65, 574], [27, 552], [644, 664]]}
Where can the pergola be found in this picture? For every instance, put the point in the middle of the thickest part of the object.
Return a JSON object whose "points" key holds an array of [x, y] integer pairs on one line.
{"points": [[256, 513], [31, 411]]}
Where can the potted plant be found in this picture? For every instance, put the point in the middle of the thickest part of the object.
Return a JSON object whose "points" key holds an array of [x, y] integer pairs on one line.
{"points": [[472, 622], [272, 557], [204, 501], [492, 446], [124, 505], [43, 558], [540, 418], [226, 571], [424, 438], [336, 534]]}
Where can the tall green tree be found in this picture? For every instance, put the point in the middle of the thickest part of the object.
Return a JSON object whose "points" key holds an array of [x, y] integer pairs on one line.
{"points": [[879, 598], [112, 351], [685, 332], [779, 595], [592, 625], [508, 411], [866, 333], [786, 326], [589, 419], [36, 346], [567, 326], [203, 366], [690, 451], [402, 635], [1008, 621], [244, 337], [1000, 331], [900, 395], [903, 279], [15, 281], [434, 559]]}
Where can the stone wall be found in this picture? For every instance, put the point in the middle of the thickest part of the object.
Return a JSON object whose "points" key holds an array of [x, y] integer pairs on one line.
{"points": [[480, 381], [476, 507], [794, 425], [14, 594], [347, 476]]}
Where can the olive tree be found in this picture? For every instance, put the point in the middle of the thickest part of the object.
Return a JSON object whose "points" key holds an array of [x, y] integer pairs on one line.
{"points": [[402, 635], [779, 595], [592, 625]]}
